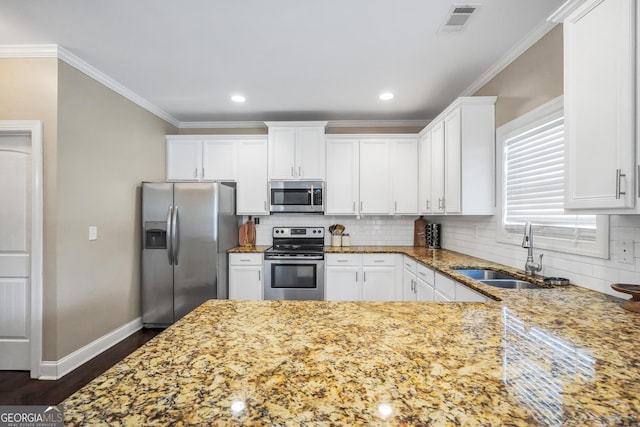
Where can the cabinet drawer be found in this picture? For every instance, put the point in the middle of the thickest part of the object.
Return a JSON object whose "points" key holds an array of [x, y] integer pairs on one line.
{"points": [[379, 259], [342, 259], [425, 274], [409, 264], [245, 259]]}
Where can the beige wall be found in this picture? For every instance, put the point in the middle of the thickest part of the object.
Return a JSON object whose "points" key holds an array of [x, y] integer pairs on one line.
{"points": [[29, 90], [106, 146], [534, 78]]}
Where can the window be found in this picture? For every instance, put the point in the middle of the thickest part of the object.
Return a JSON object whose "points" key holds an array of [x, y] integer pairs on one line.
{"points": [[531, 152]]}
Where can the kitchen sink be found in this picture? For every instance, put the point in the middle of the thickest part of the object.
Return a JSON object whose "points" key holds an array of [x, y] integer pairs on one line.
{"points": [[498, 279]]}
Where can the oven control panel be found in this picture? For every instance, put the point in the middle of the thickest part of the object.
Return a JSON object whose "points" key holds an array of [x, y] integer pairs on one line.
{"points": [[298, 232]]}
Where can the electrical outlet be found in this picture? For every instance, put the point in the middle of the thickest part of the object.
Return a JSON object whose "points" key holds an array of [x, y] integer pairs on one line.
{"points": [[626, 251], [93, 232]]}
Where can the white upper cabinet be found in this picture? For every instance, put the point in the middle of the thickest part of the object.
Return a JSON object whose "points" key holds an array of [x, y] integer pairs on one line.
{"points": [[198, 158], [219, 160], [296, 150], [252, 189], [404, 176], [342, 197], [599, 104], [375, 177], [184, 159], [458, 157]]}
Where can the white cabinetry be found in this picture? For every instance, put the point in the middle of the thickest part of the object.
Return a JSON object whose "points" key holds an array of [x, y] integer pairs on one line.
{"points": [[375, 177], [245, 276], [466, 294], [184, 159], [447, 289], [296, 150], [360, 277], [194, 158], [599, 103], [461, 158], [343, 277], [342, 196], [404, 176], [252, 192], [379, 277], [425, 283], [409, 279]]}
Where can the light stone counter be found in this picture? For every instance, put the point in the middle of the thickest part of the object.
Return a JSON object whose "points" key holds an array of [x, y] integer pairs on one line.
{"points": [[565, 356]]}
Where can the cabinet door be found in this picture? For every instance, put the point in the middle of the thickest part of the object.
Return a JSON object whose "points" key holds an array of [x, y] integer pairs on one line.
{"points": [[599, 105], [282, 153], [375, 178], [219, 160], [452, 172], [342, 284], [251, 189], [424, 291], [466, 294], [342, 178], [184, 160], [404, 156], [378, 283], [309, 153], [424, 167], [445, 287], [245, 283], [437, 168], [408, 286]]}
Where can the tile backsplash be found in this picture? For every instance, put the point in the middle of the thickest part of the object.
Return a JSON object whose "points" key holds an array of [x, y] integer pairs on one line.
{"points": [[476, 236], [370, 230]]}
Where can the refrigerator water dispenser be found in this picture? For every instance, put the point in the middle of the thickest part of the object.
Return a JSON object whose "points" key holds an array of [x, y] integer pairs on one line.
{"points": [[155, 235]]}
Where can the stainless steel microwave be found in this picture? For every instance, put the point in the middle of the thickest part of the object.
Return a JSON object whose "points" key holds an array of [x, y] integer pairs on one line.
{"points": [[297, 196]]}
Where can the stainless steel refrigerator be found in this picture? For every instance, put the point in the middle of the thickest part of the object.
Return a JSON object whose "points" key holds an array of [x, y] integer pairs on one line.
{"points": [[187, 229]]}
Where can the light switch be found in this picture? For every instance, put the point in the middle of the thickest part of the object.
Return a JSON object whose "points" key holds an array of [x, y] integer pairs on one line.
{"points": [[93, 232]]}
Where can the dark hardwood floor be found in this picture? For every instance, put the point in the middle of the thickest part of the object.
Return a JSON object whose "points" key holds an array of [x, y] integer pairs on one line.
{"points": [[16, 388]]}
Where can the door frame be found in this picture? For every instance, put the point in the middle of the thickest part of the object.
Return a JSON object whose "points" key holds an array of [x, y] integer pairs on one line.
{"points": [[34, 129]]}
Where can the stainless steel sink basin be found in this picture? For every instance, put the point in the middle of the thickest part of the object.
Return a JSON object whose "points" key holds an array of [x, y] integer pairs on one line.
{"points": [[498, 279]]}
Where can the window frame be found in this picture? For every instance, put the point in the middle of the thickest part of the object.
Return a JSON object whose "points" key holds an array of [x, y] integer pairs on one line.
{"points": [[536, 117]]}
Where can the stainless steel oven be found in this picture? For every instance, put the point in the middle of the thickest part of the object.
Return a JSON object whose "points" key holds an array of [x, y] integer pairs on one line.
{"points": [[294, 265]]}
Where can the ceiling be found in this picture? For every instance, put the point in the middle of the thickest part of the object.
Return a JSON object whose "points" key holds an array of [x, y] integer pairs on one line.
{"points": [[291, 59]]}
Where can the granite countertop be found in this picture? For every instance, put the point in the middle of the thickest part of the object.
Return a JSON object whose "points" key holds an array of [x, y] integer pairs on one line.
{"points": [[248, 249], [562, 356]]}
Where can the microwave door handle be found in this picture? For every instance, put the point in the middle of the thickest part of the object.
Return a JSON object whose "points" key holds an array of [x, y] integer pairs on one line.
{"points": [[168, 234], [312, 193]]}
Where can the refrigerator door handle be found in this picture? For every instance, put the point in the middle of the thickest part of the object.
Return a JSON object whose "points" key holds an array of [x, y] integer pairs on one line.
{"points": [[169, 242], [176, 235]]}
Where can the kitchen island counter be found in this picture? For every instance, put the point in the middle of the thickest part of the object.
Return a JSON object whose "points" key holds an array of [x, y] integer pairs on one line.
{"points": [[563, 356]]}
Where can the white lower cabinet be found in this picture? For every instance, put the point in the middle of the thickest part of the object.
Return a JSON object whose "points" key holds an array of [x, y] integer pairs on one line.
{"points": [[360, 277], [447, 289], [409, 279], [466, 294], [425, 279], [245, 276]]}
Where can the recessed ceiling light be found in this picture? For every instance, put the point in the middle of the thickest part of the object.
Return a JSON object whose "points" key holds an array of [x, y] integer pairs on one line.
{"points": [[386, 96], [238, 98]]}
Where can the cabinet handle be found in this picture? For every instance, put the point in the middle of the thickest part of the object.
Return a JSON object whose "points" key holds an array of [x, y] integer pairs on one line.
{"points": [[356, 277], [202, 173], [378, 260], [354, 202], [245, 260], [291, 170], [343, 260], [360, 206], [299, 171], [395, 206], [259, 275], [427, 205], [413, 285], [619, 176], [265, 205], [638, 178], [195, 173]]}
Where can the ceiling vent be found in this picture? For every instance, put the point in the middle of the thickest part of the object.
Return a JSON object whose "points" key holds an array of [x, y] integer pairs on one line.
{"points": [[458, 17]]}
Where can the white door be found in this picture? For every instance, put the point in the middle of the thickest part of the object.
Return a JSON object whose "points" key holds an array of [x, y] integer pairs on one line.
{"points": [[252, 191], [342, 178], [378, 283], [310, 149], [375, 177], [184, 160], [404, 155], [342, 284], [15, 251]]}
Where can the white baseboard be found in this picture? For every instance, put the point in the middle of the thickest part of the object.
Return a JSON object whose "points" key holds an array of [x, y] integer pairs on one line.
{"points": [[54, 370]]}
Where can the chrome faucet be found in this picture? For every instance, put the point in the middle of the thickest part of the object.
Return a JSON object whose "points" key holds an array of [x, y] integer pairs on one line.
{"points": [[530, 266]]}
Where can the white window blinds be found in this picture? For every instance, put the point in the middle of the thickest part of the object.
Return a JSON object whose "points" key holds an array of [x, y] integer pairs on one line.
{"points": [[533, 179]]}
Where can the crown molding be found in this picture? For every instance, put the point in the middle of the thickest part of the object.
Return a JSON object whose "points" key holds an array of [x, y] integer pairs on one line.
{"points": [[566, 9], [511, 55], [330, 124], [222, 125], [55, 51]]}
